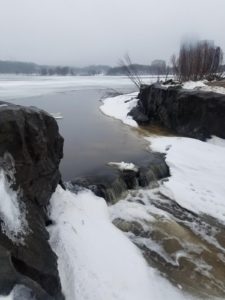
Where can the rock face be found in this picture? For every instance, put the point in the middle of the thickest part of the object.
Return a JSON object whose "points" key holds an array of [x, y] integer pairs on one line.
{"points": [[196, 114], [30, 152]]}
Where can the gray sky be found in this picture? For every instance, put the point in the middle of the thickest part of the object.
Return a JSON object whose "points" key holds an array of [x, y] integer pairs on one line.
{"points": [[82, 32]]}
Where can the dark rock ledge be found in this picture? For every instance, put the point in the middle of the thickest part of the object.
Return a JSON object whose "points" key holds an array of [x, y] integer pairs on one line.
{"points": [[191, 113], [30, 151]]}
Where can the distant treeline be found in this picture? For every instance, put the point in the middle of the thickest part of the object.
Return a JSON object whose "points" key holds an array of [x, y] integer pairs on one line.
{"points": [[14, 67], [157, 67]]}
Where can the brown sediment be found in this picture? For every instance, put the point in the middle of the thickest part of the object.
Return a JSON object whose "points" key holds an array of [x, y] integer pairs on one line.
{"points": [[152, 130]]}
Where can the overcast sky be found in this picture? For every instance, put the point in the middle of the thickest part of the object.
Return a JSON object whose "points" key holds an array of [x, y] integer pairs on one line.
{"points": [[83, 32]]}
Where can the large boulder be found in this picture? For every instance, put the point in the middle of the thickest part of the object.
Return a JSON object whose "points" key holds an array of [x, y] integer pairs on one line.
{"points": [[30, 152], [190, 113]]}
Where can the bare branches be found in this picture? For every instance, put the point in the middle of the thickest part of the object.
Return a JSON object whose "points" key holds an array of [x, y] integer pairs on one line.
{"points": [[130, 70]]}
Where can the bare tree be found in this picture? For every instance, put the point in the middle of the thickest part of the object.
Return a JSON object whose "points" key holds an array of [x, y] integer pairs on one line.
{"points": [[197, 61]]}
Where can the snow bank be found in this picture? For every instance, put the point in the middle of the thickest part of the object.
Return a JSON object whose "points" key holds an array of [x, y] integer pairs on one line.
{"points": [[123, 166], [96, 261], [197, 174], [12, 215], [119, 106]]}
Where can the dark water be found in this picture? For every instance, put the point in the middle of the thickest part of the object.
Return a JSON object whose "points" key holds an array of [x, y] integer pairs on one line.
{"points": [[91, 138]]}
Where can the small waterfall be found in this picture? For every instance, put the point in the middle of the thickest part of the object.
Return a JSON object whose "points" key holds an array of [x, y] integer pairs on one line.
{"points": [[114, 184]]}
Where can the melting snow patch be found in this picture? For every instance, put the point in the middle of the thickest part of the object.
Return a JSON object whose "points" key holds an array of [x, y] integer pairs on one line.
{"points": [[124, 166], [119, 107]]}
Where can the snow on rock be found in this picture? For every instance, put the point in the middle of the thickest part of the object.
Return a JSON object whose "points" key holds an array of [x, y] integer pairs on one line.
{"points": [[124, 166], [96, 261], [197, 174], [202, 86], [13, 216], [190, 85], [119, 107]]}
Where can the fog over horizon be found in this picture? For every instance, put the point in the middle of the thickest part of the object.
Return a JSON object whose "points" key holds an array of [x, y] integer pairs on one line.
{"points": [[84, 32]]}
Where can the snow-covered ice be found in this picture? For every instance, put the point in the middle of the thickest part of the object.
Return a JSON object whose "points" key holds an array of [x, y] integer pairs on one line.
{"points": [[97, 261], [17, 86], [124, 166], [11, 213], [119, 106], [197, 174]]}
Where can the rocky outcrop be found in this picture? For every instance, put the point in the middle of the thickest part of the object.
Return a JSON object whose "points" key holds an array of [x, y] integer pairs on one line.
{"points": [[30, 151], [190, 113]]}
